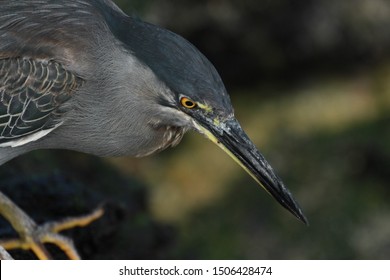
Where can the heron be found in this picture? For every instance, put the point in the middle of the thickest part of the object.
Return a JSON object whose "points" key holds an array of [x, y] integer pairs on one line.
{"points": [[82, 75]]}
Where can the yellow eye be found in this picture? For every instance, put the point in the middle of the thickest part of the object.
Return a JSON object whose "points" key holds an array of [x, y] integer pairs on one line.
{"points": [[188, 103]]}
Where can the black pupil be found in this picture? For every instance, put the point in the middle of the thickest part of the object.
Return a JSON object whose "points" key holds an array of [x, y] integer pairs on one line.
{"points": [[189, 103]]}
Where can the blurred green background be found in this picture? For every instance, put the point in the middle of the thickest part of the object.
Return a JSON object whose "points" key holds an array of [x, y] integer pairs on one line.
{"points": [[310, 83]]}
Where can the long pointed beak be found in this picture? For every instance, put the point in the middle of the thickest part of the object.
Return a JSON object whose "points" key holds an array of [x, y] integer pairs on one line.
{"points": [[231, 138]]}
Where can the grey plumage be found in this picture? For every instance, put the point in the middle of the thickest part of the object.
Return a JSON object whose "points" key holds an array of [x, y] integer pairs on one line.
{"points": [[79, 36], [32, 94], [82, 75]]}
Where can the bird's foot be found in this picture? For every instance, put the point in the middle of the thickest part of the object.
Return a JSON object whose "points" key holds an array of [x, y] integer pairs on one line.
{"points": [[33, 236]]}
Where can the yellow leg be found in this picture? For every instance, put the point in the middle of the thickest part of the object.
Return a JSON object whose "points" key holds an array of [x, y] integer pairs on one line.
{"points": [[33, 236]]}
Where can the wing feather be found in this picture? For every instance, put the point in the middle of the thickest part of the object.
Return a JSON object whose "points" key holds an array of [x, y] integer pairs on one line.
{"points": [[32, 94]]}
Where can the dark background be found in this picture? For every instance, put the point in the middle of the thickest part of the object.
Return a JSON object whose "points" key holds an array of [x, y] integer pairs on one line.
{"points": [[310, 84]]}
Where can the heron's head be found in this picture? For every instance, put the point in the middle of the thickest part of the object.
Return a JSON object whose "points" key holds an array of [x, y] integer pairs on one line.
{"points": [[197, 99], [213, 117]]}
